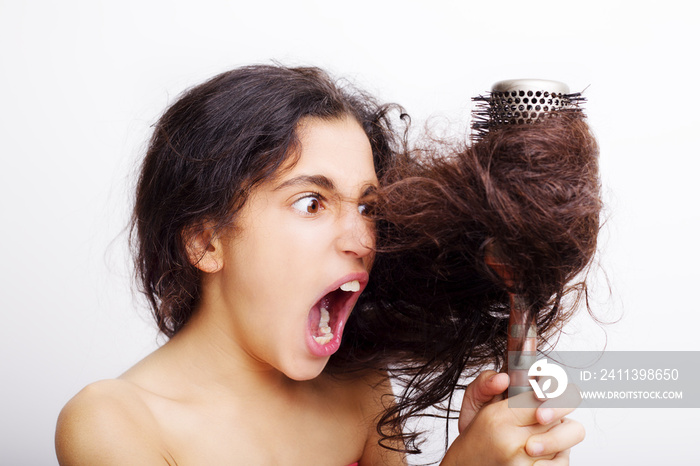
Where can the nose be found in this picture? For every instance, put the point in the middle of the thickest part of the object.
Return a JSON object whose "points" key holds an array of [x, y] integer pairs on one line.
{"points": [[357, 235]]}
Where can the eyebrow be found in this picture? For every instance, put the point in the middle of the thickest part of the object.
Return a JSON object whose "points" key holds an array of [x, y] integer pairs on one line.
{"points": [[318, 180], [321, 181]]}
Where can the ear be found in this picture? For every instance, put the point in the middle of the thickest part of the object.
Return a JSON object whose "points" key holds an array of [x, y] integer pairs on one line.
{"points": [[204, 249]]}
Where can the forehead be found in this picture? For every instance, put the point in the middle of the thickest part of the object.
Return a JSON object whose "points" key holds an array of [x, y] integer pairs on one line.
{"points": [[337, 148]]}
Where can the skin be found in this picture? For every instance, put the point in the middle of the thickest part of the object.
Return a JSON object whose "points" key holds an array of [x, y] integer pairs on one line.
{"points": [[240, 384], [492, 433]]}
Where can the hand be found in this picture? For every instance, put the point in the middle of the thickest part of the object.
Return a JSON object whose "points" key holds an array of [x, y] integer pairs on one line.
{"points": [[488, 387], [492, 433]]}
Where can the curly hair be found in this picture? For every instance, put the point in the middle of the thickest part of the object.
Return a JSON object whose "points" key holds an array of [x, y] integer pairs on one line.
{"points": [[216, 143], [435, 311]]}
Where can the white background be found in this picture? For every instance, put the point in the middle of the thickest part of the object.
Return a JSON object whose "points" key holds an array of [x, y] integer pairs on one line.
{"points": [[81, 82]]}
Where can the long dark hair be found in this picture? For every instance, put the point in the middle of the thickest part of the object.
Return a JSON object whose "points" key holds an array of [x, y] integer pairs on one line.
{"points": [[432, 311], [435, 312], [209, 149]]}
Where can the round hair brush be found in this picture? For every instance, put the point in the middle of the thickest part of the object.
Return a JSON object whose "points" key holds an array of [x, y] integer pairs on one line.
{"points": [[482, 245], [518, 105]]}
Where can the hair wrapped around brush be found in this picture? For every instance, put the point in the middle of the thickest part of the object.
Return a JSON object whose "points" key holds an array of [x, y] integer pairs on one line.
{"points": [[533, 190]]}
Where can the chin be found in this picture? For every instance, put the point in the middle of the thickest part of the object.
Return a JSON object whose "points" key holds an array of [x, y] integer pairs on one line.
{"points": [[306, 370]]}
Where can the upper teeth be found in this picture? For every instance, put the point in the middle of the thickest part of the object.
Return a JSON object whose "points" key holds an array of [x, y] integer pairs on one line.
{"points": [[351, 286]]}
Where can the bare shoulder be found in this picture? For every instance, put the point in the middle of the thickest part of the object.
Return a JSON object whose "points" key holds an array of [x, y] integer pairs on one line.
{"points": [[108, 423], [373, 392]]}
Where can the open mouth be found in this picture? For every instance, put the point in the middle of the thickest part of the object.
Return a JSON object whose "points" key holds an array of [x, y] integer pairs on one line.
{"points": [[329, 314]]}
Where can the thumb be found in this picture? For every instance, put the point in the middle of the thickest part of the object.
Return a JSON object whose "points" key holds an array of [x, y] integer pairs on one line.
{"points": [[480, 392]]}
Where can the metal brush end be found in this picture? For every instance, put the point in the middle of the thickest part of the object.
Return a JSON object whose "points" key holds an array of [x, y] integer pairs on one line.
{"points": [[521, 101]]}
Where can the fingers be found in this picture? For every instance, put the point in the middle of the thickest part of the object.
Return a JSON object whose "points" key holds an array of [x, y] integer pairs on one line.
{"points": [[485, 387], [482, 390], [527, 415], [545, 412], [555, 409], [559, 438], [560, 459], [545, 415]]}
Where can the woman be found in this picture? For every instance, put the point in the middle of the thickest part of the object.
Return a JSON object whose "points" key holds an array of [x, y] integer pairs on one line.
{"points": [[253, 245]]}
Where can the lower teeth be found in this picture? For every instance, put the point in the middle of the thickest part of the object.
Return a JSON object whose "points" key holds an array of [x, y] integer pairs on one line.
{"points": [[322, 340], [324, 329]]}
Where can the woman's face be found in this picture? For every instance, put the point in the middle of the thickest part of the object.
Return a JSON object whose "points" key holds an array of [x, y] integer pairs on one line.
{"points": [[301, 252]]}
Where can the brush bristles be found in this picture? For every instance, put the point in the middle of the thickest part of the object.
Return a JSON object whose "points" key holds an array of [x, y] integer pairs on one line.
{"points": [[520, 107]]}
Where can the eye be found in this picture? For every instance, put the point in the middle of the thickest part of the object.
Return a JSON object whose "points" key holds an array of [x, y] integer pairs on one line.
{"points": [[368, 207], [310, 204]]}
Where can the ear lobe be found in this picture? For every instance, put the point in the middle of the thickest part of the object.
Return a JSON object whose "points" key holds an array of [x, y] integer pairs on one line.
{"points": [[204, 250]]}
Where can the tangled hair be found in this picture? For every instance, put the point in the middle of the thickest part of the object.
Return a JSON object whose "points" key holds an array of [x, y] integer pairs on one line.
{"points": [[433, 311], [532, 190], [210, 149]]}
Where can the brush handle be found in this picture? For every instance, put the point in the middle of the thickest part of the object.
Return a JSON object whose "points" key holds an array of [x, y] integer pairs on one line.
{"points": [[522, 346], [522, 332]]}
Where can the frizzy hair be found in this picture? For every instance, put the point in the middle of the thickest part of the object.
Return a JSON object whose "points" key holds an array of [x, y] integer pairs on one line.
{"points": [[534, 191], [216, 143], [433, 310]]}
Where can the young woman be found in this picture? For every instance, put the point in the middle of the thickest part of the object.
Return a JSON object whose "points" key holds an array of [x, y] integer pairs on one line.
{"points": [[253, 244]]}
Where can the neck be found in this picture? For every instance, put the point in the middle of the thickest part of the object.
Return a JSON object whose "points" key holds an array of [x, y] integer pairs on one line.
{"points": [[209, 352]]}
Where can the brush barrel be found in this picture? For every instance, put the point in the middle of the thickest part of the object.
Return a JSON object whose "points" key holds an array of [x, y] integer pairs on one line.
{"points": [[523, 101]]}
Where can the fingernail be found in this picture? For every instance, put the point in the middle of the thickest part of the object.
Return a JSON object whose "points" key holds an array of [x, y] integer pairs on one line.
{"points": [[535, 448], [546, 415]]}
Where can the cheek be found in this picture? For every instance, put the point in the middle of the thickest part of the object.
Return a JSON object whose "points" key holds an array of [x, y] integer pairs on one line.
{"points": [[372, 244], [287, 255], [369, 261], [372, 234]]}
